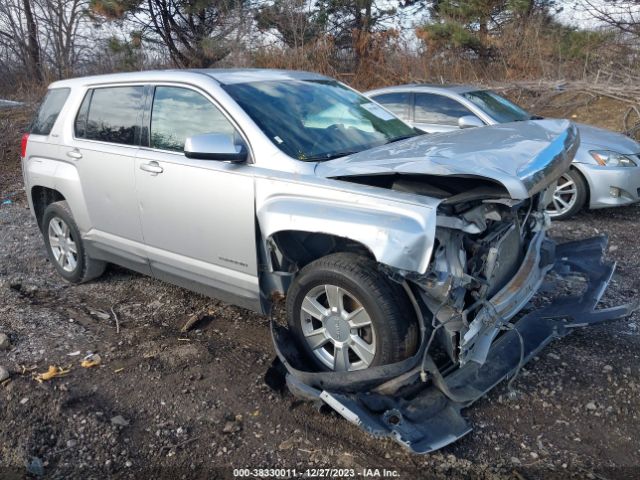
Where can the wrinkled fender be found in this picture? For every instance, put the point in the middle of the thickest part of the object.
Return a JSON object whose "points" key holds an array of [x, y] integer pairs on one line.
{"points": [[398, 228], [60, 176]]}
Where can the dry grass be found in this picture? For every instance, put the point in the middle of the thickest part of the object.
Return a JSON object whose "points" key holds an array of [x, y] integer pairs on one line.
{"points": [[13, 123]]}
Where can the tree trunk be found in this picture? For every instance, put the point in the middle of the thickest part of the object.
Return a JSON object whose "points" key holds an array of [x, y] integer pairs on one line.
{"points": [[33, 46]]}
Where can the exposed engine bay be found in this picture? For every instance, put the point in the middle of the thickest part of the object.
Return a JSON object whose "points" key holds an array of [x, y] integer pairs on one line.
{"points": [[476, 254], [482, 239]]}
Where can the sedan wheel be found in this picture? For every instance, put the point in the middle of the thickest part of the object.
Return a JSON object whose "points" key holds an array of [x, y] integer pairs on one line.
{"points": [[569, 196], [337, 328]]}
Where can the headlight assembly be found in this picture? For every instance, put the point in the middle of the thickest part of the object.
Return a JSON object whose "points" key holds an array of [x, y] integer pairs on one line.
{"points": [[607, 158]]}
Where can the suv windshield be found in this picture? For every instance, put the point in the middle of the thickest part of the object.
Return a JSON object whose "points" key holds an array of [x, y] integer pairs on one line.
{"points": [[497, 107], [317, 120]]}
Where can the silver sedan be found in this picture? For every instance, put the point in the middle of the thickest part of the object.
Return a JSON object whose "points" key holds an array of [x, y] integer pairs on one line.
{"points": [[605, 171]]}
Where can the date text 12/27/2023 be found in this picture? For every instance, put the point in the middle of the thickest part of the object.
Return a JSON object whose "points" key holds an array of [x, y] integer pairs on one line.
{"points": [[331, 473]]}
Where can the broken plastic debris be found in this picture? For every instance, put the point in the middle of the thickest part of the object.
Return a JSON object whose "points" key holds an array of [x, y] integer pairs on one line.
{"points": [[74, 354], [91, 360], [53, 372], [7, 202], [101, 314]]}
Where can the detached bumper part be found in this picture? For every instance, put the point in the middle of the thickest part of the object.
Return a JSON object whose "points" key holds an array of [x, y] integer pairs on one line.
{"points": [[424, 416]]}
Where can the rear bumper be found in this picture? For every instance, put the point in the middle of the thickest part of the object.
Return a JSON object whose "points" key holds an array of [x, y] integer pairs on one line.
{"points": [[602, 180], [392, 401]]}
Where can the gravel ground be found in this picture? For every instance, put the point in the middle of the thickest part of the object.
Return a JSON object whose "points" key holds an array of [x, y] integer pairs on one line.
{"points": [[173, 405], [192, 404]]}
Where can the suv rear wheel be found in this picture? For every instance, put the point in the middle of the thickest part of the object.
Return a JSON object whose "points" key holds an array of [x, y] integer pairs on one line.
{"points": [[64, 245], [347, 315]]}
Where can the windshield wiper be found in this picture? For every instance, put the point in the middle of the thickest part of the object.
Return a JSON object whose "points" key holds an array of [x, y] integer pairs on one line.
{"points": [[329, 156], [402, 137], [531, 117]]}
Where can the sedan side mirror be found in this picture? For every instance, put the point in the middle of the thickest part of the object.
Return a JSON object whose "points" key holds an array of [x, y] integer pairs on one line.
{"points": [[469, 121], [215, 146]]}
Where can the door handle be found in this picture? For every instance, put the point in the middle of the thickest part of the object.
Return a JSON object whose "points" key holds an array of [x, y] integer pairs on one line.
{"points": [[152, 167], [75, 154]]}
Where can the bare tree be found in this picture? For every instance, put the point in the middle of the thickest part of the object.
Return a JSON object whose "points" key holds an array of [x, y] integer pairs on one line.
{"points": [[623, 15], [61, 23], [19, 35]]}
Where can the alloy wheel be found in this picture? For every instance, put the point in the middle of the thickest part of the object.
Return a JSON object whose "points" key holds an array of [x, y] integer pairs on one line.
{"points": [[63, 246], [337, 328], [564, 196]]}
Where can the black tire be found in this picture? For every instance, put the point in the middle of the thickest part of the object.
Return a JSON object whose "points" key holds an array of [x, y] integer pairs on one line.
{"points": [[86, 268], [582, 192], [386, 303]]}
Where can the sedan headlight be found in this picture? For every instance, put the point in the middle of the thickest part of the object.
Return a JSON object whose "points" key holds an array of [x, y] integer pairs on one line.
{"points": [[607, 158]]}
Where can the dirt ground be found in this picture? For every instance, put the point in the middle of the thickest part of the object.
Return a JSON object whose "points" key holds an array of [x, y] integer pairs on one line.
{"points": [[167, 404]]}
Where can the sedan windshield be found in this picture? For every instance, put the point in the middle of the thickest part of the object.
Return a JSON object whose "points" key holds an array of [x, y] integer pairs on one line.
{"points": [[497, 107], [317, 120]]}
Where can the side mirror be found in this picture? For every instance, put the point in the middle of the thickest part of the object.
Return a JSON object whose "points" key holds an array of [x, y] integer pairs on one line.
{"points": [[214, 146], [470, 121]]}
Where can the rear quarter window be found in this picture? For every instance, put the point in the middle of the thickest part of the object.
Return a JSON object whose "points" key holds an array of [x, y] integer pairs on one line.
{"points": [[110, 114], [49, 110]]}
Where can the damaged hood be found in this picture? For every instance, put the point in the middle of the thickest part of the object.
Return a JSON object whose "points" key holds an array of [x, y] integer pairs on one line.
{"points": [[524, 157]]}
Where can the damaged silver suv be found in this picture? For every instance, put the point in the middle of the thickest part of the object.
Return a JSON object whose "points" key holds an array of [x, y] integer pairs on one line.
{"points": [[403, 257]]}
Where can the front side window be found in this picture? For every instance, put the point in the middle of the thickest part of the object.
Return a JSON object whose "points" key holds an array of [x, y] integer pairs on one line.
{"points": [[179, 113], [438, 109], [49, 111], [398, 102], [314, 120], [110, 114], [497, 107]]}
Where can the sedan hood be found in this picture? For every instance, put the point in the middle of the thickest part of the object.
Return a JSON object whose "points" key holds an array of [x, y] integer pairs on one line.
{"points": [[524, 157], [594, 137]]}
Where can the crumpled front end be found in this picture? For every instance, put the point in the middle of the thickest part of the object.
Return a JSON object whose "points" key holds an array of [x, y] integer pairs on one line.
{"points": [[489, 259], [476, 296], [417, 402]]}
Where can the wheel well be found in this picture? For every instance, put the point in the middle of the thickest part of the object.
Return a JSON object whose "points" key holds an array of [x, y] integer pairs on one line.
{"points": [[291, 250], [586, 184], [41, 198]]}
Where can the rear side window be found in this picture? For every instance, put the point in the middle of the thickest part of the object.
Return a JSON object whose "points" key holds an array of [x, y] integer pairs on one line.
{"points": [[49, 111], [179, 113], [110, 115], [397, 102]]}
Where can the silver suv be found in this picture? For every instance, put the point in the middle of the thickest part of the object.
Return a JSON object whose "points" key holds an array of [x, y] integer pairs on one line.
{"points": [[248, 184]]}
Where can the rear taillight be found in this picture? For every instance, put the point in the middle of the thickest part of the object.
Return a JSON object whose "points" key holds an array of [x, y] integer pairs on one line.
{"points": [[23, 145]]}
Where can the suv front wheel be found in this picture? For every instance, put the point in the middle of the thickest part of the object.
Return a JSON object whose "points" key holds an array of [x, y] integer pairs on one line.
{"points": [[347, 315], [64, 245]]}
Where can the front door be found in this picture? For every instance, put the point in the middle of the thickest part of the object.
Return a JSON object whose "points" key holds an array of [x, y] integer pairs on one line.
{"points": [[198, 216], [437, 113]]}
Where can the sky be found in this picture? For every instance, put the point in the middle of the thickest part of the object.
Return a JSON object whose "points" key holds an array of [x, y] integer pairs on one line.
{"points": [[574, 14]]}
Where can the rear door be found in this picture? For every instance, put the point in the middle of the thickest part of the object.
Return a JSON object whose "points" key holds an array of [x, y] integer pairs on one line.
{"points": [[104, 147], [198, 216]]}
